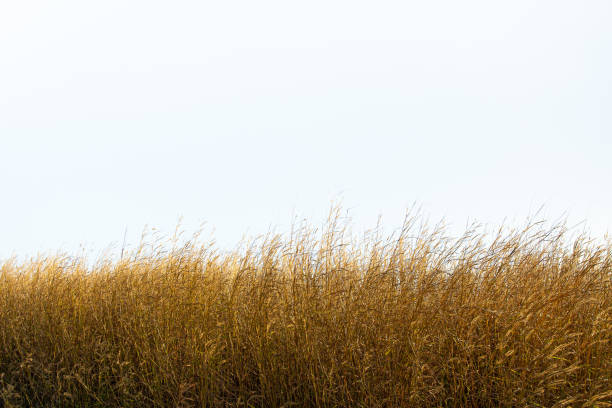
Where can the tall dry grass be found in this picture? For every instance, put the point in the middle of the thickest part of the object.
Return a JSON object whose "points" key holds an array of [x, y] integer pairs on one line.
{"points": [[316, 319]]}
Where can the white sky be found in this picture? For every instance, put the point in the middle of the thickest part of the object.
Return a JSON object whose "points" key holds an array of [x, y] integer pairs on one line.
{"points": [[119, 113]]}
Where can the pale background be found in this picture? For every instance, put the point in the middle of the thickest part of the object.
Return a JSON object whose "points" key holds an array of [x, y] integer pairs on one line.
{"points": [[119, 113]]}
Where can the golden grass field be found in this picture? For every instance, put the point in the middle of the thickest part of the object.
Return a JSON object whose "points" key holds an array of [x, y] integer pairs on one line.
{"points": [[316, 318]]}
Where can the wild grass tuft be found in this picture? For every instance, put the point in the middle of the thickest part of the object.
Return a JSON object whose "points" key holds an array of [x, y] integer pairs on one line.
{"points": [[520, 318]]}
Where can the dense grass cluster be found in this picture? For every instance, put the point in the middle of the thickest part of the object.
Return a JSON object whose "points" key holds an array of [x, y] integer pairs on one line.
{"points": [[316, 319]]}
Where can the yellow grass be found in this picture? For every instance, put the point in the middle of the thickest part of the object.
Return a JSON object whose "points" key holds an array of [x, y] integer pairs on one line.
{"points": [[316, 319]]}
